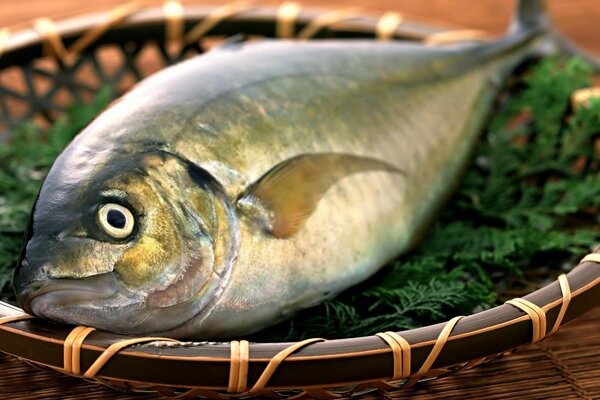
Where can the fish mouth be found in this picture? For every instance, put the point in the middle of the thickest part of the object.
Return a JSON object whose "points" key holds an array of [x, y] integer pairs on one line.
{"points": [[46, 298]]}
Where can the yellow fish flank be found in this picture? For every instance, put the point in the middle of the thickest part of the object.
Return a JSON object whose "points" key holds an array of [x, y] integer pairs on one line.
{"points": [[226, 193]]}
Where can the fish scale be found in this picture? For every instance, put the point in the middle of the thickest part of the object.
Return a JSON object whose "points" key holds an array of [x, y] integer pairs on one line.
{"points": [[397, 205], [258, 179]]}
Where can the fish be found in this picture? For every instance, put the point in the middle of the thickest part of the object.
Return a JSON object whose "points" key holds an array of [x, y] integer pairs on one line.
{"points": [[226, 193]]}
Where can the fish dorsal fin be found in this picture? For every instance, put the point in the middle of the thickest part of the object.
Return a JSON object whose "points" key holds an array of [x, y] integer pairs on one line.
{"points": [[282, 200]]}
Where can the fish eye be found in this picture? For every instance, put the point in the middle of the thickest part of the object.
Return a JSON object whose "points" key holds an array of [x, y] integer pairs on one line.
{"points": [[116, 220]]}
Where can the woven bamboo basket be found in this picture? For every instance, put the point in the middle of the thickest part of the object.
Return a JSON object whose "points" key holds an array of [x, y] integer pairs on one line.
{"points": [[47, 66]]}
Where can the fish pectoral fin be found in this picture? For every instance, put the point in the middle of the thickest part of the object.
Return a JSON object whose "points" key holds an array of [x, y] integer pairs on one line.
{"points": [[282, 200]]}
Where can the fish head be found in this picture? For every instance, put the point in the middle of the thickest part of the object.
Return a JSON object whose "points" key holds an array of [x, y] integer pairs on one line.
{"points": [[138, 245]]}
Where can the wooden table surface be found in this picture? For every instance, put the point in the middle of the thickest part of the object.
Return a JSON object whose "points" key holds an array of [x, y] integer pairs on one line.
{"points": [[577, 19]]}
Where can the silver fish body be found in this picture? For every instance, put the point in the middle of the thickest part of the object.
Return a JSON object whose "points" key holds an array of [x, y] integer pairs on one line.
{"points": [[258, 179]]}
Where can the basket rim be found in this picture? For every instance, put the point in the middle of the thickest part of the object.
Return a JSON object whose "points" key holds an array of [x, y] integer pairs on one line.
{"points": [[28, 40], [366, 359], [43, 343]]}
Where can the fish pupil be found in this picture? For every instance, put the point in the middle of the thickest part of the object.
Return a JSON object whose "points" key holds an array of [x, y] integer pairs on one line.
{"points": [[116, 219]]}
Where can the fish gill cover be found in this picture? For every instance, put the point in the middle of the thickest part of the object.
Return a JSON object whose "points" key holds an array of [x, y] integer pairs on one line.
{"points": [[526, 210]]}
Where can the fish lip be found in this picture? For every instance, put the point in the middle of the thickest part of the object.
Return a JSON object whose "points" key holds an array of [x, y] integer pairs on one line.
{"points": [[39, 295]]}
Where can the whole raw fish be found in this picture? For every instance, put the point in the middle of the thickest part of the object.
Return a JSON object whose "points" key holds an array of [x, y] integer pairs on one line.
{"points": [[225, 193]]}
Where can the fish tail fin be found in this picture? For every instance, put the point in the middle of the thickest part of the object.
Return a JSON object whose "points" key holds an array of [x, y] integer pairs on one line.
{"points": [[532, 15], [529, 34]]}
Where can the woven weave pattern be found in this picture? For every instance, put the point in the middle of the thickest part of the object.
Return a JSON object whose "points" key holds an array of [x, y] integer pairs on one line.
{"points": [[43, 89]]}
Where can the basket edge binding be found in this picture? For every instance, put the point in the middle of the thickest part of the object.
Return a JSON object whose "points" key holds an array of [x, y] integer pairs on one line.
{"points": [[70, 37]]}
